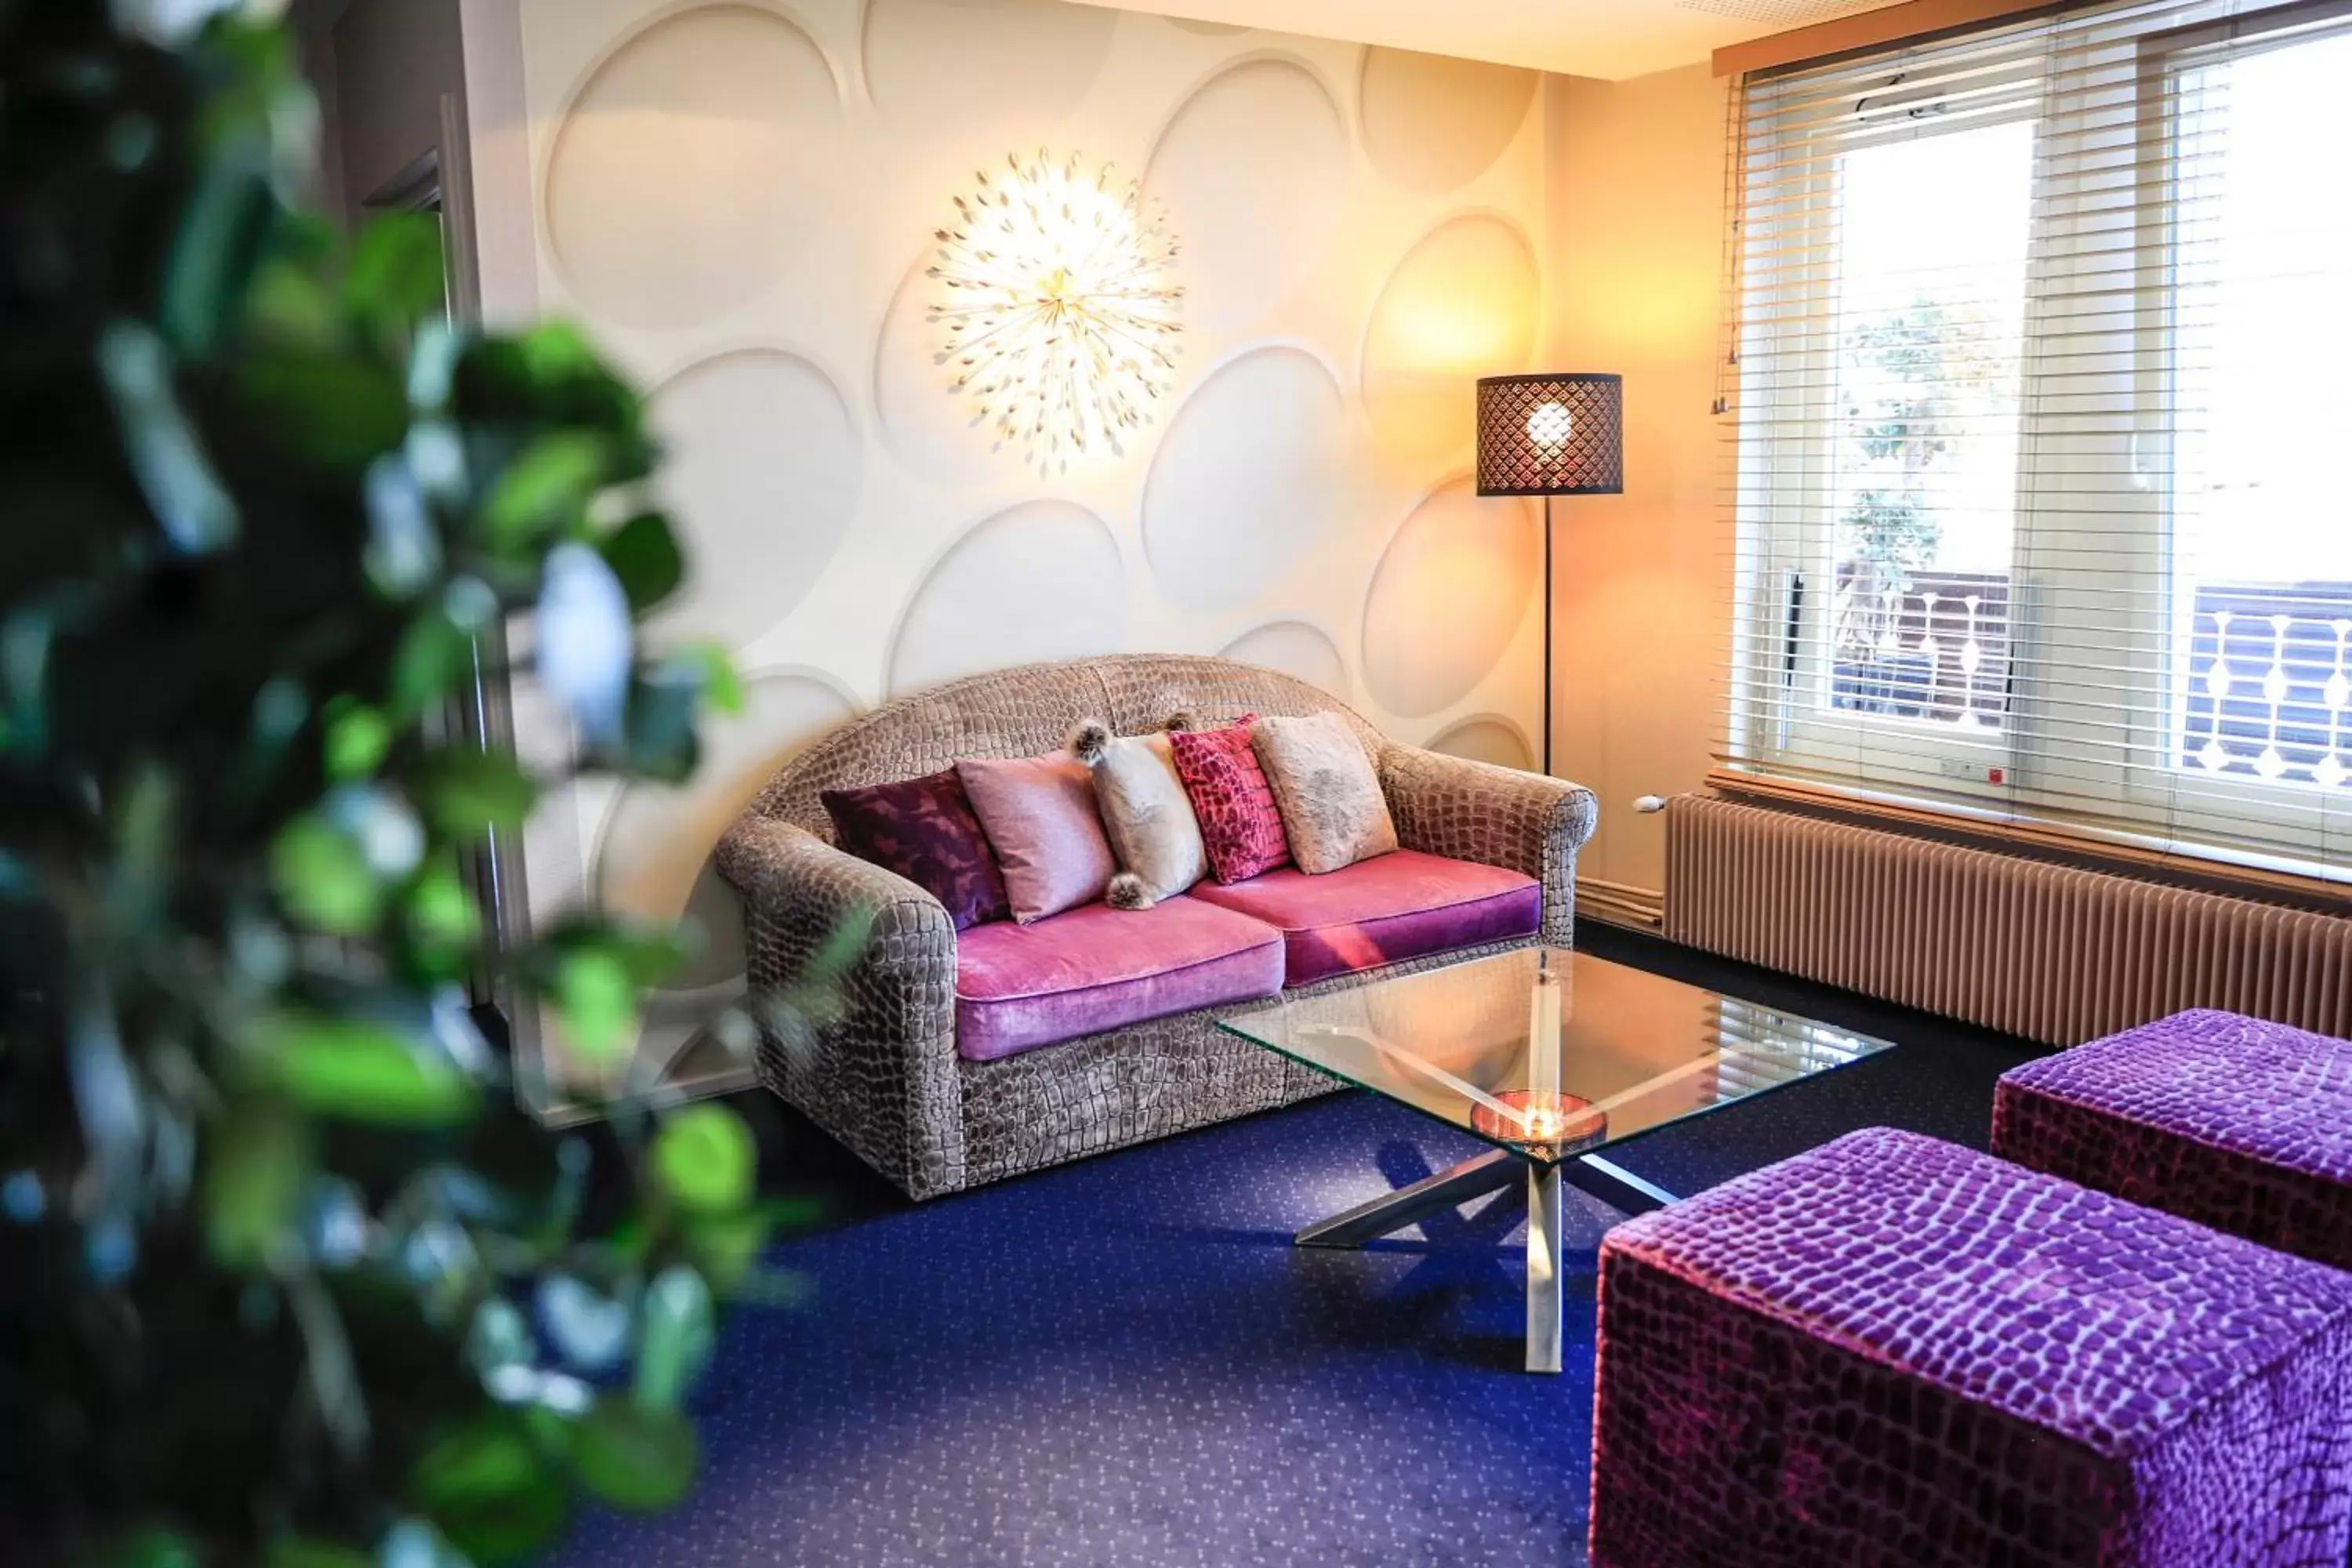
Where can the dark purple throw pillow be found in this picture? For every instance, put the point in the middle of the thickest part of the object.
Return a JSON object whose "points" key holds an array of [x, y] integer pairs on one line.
{"points": [[924, 830]]}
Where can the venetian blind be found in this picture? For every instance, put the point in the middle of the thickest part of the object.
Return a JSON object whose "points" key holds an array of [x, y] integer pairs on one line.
{"points": [[2039, 390]]}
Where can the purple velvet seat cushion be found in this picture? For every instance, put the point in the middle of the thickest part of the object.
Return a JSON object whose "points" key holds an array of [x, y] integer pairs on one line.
{"points": [[1891, 1350], [1385, 910], [1042, 823], [924, 829], [1097, 968], [2239, 1124]]}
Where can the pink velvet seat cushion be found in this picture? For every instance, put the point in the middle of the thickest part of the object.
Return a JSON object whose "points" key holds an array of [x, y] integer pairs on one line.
{"points": [[1385, 910], [1096, 968]]}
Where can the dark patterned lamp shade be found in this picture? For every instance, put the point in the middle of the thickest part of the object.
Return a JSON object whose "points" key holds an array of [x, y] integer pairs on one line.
{"points": [[1561, 435]]}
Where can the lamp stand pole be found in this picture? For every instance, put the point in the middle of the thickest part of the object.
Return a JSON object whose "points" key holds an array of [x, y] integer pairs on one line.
{"points": [[1547, 637]]}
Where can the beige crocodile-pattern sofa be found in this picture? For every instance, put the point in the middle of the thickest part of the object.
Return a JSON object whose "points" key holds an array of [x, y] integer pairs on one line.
{"points": [[872, 1057]]}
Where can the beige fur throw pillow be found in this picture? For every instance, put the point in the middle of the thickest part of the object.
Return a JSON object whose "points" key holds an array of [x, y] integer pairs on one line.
{"points": [[1146, 812], [1330, 800]]}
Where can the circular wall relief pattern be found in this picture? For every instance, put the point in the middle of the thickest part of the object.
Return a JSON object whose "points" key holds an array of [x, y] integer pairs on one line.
{"points": [[1039, 581], [765, 469], [1448, 597], [690, 166], [927, 424], [1295, 649], [1247, 480], [653, 858], [1013, 66], [1487, 738], [1465, 302], [1433, 122], [1254, 168]]}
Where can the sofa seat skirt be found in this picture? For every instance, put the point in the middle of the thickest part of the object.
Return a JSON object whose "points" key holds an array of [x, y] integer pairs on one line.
{"points": [[1387, 910], [1096, 968]]}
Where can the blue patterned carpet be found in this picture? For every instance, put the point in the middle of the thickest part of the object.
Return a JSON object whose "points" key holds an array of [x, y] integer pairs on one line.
{"points": [[1126, 1361]]}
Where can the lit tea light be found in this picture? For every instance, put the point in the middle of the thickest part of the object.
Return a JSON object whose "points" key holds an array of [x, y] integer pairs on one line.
{"points": [[1544, 1125]]}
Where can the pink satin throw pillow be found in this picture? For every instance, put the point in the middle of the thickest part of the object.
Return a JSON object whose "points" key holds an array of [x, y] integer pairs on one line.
{"points": [[1040, 819]]}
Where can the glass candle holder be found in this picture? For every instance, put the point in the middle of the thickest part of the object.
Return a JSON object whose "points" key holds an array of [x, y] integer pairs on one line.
{"points": [[1548, 1125]]}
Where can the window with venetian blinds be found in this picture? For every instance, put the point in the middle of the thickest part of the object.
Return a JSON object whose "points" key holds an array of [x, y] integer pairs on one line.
{"points": [[2044, 390]]}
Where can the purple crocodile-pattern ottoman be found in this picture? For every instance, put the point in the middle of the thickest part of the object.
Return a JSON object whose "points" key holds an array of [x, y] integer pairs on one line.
{"points": [[1894, 1350], [2231, 1121]]}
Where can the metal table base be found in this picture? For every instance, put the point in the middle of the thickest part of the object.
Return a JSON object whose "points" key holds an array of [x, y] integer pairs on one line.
{"points": [[1491, 1172]]}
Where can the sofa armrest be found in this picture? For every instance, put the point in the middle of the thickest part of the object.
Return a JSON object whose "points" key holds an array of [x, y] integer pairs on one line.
{"points": [[869, 1053], [1499, 817]]}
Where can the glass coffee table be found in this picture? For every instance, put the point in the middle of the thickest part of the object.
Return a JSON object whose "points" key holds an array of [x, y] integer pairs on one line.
{"points": [[1631, 1052]]}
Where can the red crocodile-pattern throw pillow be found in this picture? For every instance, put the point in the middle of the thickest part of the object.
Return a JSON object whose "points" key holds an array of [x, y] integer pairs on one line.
{"points": [[1240, 824], [925, 830]]}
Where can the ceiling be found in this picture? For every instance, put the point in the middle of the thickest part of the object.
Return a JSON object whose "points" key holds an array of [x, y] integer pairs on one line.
{"points": [[1611, 38]]}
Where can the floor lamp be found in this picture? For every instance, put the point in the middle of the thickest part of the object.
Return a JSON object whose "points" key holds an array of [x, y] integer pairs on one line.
{"points": [[1558, 434]]}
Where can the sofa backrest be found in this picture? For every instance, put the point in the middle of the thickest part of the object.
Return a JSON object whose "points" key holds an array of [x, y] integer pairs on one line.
{"points": [[1030, 710]]}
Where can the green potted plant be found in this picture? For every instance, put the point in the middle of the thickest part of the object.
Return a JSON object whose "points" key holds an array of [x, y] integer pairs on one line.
{"points": [[286, 1276]]}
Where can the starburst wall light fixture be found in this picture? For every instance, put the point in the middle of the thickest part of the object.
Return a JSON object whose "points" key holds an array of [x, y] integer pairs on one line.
{"points": [[1059, 318]]}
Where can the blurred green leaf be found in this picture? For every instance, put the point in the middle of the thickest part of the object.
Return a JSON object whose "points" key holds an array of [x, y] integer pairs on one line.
{"points": [[358, 738], [726, 1246], [658, 737], [589, 1329], [490, 1488], [154, 1548], [442, 918], [396, 272], [636, 1456], [290, 303], [435, 655], [498, 1337], [219, 241], [433, 357], [356, 1069], [175, 472], [722, 687], [259, 1162], [546, 489], [793, 1214], [145, 816], [490, 1456], [598, 1001], [675, 1332], [466, 793], [557, 352], [301, 1552], [234, 1020], [644, 554], [648, 953], [704, 1157], [322, 876], [326, 407]]}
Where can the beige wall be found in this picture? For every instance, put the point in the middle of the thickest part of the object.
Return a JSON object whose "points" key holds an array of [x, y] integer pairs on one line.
{"points": [[736, 199], [1644, 579]]}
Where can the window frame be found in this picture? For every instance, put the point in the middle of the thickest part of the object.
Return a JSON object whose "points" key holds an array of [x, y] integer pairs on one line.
{"points": [[1808, 736], [2306, 819], [2123, 780]]}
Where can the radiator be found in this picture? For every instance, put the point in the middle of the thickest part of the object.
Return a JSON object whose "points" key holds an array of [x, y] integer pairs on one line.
{"points": [[2056, 954]]}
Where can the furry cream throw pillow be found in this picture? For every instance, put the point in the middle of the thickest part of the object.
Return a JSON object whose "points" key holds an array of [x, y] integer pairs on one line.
{"points": [[1330, 799], [1146, 812]]}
